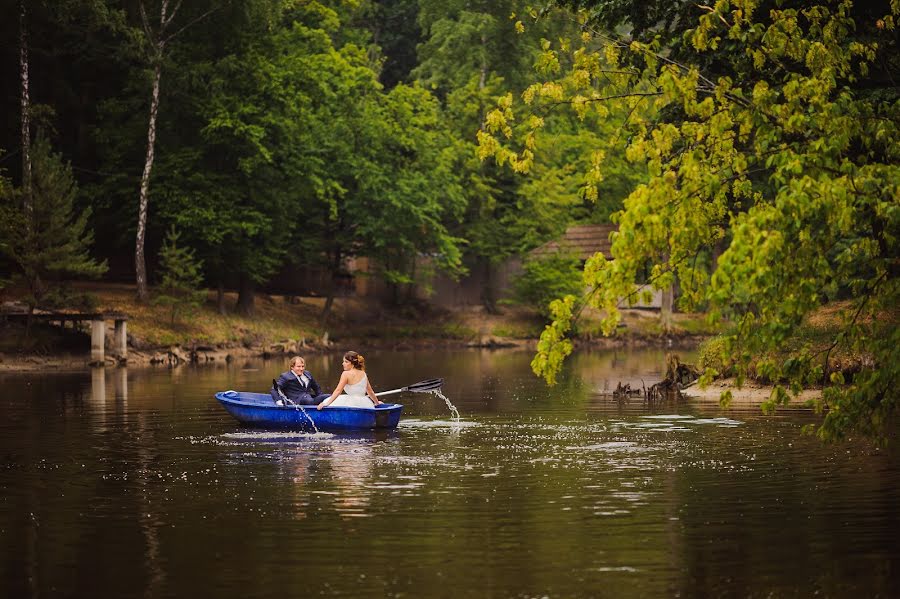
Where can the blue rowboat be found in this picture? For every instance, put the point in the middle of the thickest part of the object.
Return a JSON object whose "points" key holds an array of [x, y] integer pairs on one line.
{"points": [[258, 410]]}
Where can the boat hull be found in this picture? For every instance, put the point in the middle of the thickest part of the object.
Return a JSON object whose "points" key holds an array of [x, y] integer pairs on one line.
{"points": [[258, 410]]}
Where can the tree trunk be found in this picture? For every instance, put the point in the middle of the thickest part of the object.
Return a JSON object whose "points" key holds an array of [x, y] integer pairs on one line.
{"points": [[665, 310], [326, 309], [488, 293], [482, 80], [220, 298], [27, 197], [158, 40], [26, 117], [28, 321], [409, 295], [330, 291], [245, 305], [140, 266]]}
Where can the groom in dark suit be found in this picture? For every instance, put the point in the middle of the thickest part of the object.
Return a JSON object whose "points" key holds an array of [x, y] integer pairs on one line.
{"points": [[298, 385]]}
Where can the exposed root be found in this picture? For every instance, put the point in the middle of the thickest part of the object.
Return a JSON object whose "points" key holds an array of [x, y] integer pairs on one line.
{"points": [[678, 376]]}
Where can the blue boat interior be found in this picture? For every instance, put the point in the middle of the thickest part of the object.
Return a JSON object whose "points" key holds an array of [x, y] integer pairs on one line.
{"points": [[264, 400]]}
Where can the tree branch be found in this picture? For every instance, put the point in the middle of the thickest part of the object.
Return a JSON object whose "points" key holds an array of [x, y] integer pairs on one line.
{"points": [[146, 22], [840, 335], [164, 22], [194, 21]]}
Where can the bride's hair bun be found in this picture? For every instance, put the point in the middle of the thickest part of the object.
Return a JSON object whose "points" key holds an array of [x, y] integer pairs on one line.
{"points": [[356, 360]]}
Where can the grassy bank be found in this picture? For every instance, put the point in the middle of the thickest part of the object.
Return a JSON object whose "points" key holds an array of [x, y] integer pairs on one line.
{"points": [[275, 319], [279, 322]]}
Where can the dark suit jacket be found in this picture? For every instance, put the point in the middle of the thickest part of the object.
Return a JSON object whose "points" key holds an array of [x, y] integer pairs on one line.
{"points": [[295, 390]]}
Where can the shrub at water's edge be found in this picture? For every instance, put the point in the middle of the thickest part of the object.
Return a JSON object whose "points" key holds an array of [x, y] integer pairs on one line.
{"points": [[814, 348]]}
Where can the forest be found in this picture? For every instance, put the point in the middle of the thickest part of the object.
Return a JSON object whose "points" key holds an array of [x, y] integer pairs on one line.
{"points": [[272, 132], [747, 150]]}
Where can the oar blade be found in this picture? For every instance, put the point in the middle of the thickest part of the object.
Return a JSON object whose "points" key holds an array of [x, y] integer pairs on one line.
{"points": [[423, 386]]}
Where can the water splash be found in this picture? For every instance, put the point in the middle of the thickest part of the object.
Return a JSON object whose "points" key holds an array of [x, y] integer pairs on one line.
{"points": [[290, 402], [453, 411], [308, 417]]}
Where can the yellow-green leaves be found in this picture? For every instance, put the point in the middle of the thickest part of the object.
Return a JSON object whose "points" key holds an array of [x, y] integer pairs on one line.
{"points": [[772, 182], [554, 347]]}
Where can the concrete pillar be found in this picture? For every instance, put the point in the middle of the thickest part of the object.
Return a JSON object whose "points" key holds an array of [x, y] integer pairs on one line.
{"points": [[120, 341], [98, 341]]}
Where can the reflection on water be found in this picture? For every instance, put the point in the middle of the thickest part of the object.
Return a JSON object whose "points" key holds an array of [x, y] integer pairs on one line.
{"points": [[536, 491], [351, 469]]}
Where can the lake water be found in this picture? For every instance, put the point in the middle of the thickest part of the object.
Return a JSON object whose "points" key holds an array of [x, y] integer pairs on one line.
{"points": [[136, 483]]}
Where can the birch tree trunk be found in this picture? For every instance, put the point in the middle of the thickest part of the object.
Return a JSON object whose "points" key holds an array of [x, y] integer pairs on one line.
{"points": [[27, 202], [140, 265], [158, 39], [26, 117]]}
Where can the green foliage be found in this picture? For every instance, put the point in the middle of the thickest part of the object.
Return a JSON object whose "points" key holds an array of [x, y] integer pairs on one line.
{"points": [[554, 345], [48, 241], [301, 149], [546, 278], [402, 185], [398, 33], [473, 53], [181, 277], [465, 39], [62, 296], [715, 353], [276, 142], [7, 210], [256, 169], [769, 132]]}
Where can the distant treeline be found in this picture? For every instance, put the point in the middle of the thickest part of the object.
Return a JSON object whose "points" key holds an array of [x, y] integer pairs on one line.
{"points": [[273, 132]]}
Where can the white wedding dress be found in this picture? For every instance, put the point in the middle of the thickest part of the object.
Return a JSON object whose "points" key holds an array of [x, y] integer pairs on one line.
{"points": [[354, 396]]}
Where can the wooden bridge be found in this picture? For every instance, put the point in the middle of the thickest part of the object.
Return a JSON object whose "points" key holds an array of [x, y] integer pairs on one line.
{"points": [[98, 322]]}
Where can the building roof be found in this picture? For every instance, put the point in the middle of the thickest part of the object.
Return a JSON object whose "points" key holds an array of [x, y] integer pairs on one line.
{"points": [[582, 240]]}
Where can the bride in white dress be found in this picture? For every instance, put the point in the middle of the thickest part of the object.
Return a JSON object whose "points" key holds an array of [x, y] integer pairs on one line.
{"points": [[355, 385]]}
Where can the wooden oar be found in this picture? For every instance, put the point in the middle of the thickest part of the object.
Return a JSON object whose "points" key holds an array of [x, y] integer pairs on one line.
{"points": [[420, 387]]}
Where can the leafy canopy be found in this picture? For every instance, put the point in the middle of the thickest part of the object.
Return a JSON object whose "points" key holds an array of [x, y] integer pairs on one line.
{"points": [[545, 278], [768, 134]]}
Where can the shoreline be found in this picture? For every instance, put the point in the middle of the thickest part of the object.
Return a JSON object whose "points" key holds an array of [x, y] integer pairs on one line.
{"points": [[287, 326], [177, 355], [751, 394]]}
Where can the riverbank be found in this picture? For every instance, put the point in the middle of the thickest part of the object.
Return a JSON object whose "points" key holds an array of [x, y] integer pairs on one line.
{"points": [[750, 394], [284, 326], [288, 325]]}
